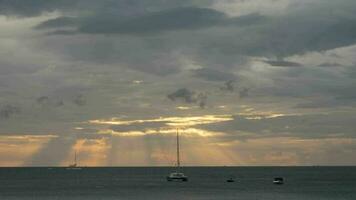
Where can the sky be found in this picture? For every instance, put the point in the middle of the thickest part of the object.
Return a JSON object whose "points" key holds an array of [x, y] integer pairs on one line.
{"points": [[246, 83]]}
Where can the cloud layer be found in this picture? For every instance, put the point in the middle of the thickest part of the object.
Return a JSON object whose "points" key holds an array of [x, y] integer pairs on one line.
{"points": [[283, 70]]}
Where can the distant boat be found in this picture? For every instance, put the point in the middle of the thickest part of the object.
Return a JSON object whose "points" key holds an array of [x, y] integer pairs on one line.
{"points": [[230, 180], [278, 181], [177, 175], [74, 165]]}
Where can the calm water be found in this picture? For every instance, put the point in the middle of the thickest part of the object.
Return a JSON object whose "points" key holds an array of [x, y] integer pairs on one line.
{"points": [[255, 183]]}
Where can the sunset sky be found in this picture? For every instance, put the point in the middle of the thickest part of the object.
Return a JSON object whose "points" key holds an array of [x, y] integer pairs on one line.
{"points": [[246, 82]]}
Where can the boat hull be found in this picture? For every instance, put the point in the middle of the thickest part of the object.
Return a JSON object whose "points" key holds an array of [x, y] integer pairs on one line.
{"points": [[177, 179], [278, 182]]}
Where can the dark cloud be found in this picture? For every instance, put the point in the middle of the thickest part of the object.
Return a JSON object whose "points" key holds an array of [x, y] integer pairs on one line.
{"points": [[59, 22], [228, 86], [244, 92], [28, 8], [176, 19], [7, 111], [31, 7], [181, 18], [339, 34], [59, 103], [79, 100], [43, 100], [282, 63], [202, 98], [189, 96], [185, 94], [330, 64], [300, 30], [149, 38], [100, 47], [46, 101], [213, 74]]}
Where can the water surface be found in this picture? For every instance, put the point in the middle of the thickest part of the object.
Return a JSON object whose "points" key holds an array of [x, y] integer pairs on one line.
{"points": [[132, 183]]}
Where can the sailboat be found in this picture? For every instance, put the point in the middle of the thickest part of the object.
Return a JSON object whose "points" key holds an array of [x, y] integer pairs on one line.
{"points": [[177, 175], [74, 165]]}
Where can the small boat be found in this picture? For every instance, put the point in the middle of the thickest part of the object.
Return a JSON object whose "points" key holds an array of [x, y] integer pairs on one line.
{"points": [[230, 180], [278, 181], [177, 175], [74, 166]]}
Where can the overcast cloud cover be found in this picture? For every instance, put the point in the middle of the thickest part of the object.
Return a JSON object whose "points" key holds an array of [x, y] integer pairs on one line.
{"points": [[269, 82]]}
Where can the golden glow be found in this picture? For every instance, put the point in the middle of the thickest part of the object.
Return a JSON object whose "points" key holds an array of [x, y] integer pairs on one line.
{"points": [[251, 113], [138, 82], [21, 148], [123, 134], [188, 132], [287, 151], [170, 121], [183, 108], [90, 152]]}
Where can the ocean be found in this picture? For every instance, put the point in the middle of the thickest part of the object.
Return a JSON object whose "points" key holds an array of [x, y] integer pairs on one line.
{"points": [[149, 183]]}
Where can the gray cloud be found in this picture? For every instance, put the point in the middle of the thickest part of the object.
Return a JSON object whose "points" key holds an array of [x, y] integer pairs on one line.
{"points": [[337, 124], [43, 100], [318, 31], [213, 74], [7, 111], [181, 18], [228, 86], [282, 63], [26, 8], [330, 64], [79, 100], [185, 94], [46, 101], [176, 19], [119, 58], [224, 42], [203, 98], [244, 92], [189, 96], [58, 22]]}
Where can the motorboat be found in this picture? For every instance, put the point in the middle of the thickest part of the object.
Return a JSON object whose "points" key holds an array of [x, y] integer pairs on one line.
{"points": [[230, 180], [278, 180], [177, 176]]}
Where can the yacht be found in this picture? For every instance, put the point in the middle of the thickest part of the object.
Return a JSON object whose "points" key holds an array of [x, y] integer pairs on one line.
{"points": [[177, 175], [74, 165]]}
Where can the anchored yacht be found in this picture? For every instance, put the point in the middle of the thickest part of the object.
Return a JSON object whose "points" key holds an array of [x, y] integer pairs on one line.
{"points": [[74, 165], [177, 175]]}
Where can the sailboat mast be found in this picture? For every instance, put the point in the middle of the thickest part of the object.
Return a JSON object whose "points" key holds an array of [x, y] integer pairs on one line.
{"points": [[178, 159], [75, 157]]}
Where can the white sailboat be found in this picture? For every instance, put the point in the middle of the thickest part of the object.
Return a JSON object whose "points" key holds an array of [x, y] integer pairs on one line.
{"points": [[177, 175]]}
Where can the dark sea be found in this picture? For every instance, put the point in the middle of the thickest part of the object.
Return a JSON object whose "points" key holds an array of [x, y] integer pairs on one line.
{"points": [[133, 183]]}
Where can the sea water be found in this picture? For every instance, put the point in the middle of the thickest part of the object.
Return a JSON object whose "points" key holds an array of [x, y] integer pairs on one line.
{"points": [[133, 183]]}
